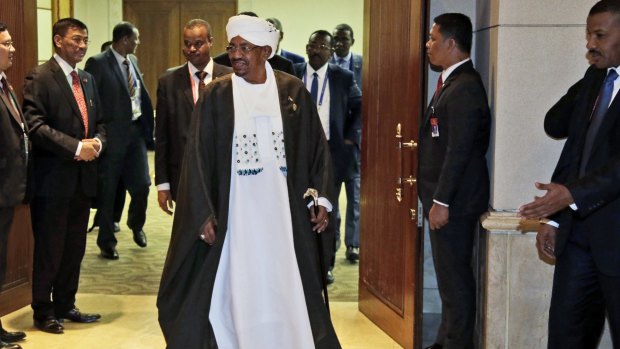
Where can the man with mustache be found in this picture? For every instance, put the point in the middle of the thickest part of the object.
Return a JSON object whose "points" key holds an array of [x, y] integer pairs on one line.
{"points": [[177, 93], [338, 99], [242, 269], [580, 217], [128, 116], [63, 112]]}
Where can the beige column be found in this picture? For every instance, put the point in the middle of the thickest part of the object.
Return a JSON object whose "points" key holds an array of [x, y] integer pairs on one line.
{"points": [[529, 53]]}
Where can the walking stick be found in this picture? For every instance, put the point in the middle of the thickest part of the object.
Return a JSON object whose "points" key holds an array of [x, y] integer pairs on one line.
{"points": [[313, 193]]}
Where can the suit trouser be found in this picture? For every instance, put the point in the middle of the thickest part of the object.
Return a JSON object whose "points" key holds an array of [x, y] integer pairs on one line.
{"points": [[580, 298], [6, 219], [59, 226], [130, 164], [452, 248], [352, 219]]}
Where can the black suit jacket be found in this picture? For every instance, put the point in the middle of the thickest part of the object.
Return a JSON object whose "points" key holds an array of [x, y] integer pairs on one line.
{"points": [[56, 128], [291, 56], [175, 104], [14, 153], [344, 115], [114, 95], [277, 62], [597, 193], [452, 168]]}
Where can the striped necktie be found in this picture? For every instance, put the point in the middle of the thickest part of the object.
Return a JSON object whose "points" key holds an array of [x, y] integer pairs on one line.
{"points": [[131, 81]]}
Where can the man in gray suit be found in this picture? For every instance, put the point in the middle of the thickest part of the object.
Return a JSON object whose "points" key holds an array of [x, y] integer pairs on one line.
{"points": [[177, 92], [128, 116]]}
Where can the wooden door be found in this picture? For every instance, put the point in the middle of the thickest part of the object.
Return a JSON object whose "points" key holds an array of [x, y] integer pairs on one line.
{"points": [[393, 89], [16, 255], [161, 29]]}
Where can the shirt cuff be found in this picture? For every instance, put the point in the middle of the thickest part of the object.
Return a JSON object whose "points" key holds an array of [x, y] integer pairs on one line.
{"points": [[163, 187], [573, 206], [79, 149], [549, 222], [323, 202], [100, 145], [440, 203]]}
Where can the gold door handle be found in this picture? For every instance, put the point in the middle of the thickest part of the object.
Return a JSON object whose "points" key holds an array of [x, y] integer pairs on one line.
{"points": [[411, 144], [410, 180]]}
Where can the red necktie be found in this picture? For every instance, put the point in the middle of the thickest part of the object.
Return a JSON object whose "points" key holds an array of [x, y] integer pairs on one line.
{"points": [[9, 100], [79, 98], [201, 76], [439, 84]]}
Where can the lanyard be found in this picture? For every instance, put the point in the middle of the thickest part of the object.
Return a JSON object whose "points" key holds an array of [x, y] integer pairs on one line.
{"points": [[322, 88]]}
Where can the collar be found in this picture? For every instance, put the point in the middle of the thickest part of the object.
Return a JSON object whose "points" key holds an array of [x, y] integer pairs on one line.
{"points": [[346, 58], [193, 69], [446, 73], [66, 68], [321, 71], [119, 58]]}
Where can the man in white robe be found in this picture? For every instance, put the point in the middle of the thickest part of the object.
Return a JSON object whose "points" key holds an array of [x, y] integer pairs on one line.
{"points": [[243, 267]]}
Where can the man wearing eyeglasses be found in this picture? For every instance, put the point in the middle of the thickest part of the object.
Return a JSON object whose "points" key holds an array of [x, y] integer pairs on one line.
{"points": [[128, 116], [62, 109], [338, 100], [277, 62], [242, 268], [177, 92], [14, 151]]}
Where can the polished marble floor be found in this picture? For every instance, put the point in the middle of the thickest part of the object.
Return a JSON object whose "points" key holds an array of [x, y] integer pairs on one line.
{"points": [[130, 322]]}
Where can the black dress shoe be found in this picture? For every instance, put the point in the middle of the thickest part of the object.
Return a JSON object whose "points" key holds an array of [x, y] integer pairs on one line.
{"points": [[76, 315], [352, 254], [49, 324], [330, 277], [117, 227], [4, 345], [435, 346], [139, 237], [6, 336], [109, 252]]}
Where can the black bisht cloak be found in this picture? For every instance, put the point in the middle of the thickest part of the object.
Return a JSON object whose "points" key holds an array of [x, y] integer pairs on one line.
{"points": [[189, 273]]}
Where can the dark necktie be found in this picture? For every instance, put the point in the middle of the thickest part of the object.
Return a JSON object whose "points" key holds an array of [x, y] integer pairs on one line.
{"points": [[9, 100], [342, 64], [314, 88], [131, 82], [598, 115], [79, 98], [201, 77]]}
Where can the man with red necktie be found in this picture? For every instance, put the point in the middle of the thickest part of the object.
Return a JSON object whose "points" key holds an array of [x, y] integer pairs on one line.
{"points": [[61, 108]]}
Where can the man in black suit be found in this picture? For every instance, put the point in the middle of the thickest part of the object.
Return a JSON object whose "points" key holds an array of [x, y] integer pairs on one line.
{"points": [[338, 101], [583, 198], [14, 155], [62, 109], [345, 59], [177, 93], [277, 62], [128, 116], [453, 179]]}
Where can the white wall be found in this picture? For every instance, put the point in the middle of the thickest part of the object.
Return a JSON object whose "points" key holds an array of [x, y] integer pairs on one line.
{"points": [[100, 16], [301, 17]]}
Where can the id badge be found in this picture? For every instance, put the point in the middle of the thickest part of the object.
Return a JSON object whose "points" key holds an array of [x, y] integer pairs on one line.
{"points": [[434, 127]]}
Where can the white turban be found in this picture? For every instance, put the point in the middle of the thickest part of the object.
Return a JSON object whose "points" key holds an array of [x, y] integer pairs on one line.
{"points": [[255, 30]]}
